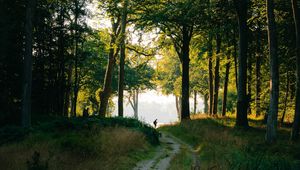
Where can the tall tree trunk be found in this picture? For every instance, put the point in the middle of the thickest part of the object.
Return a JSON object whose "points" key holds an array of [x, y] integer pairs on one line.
{"points": [[105, 94], [205, 103], [217, 76], [241, 117], [185, 61], [178, 108], [134, 102], [27, 78], [226, 85], [62, 78], [235, 62], [68, 92], [274, 83], [258, 74], [76, 84], [136, 113], [286, 97], [296, 124], [249, 95], [210, 74], [122, 60], [195, 101]]}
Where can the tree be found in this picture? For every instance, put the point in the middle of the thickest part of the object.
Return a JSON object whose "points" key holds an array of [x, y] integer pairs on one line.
{"points": [[296, 124], [122, 58], [217, 76], [226, 81], [27, 82], [210, 71], [177, 20], [241, 117], [114, 48], [274, 70]]}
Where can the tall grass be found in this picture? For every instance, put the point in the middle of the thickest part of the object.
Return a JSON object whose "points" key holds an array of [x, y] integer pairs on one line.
{"points": [[92, 143]]}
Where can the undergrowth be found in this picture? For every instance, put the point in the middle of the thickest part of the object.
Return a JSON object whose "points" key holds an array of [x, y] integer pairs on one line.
{"points": [[77, 143]]}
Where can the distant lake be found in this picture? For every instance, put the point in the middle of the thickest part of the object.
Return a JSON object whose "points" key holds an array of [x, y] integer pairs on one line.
{"points": [[153, 105]]}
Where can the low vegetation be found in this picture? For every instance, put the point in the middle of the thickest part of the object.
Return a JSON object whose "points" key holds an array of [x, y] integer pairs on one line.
{"points": [[78, 143], [220, 145]]}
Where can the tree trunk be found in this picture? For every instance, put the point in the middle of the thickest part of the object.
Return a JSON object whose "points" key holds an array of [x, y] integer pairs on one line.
{"points": [[136, 113], [105, 94], [122, 60], [258, 74], [249, 84], [185, 61], [76, 84], [210, 78], [62, 66], [241, 117], [296, 124], [195, 101], [134, 102], [68, 92], [205, 103], [217, 76], [178, 108], [235, 62], [226, 85], [274, 83], [286, 97], [27, 77]]}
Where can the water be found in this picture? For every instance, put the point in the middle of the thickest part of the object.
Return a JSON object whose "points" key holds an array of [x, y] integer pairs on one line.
{"points": [[153, 105]]}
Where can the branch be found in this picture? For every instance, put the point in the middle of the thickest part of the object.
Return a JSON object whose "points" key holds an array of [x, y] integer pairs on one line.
{"points": [[139, 52]]}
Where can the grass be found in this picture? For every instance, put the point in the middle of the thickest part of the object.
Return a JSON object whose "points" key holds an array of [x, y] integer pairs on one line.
{"points": [[92, 143], [222, 146], [183, 160]]}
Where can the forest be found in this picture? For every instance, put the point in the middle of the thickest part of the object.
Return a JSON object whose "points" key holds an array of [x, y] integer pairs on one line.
{"points": [[70, 68]]}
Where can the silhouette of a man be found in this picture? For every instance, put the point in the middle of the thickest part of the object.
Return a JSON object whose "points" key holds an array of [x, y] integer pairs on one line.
{"points": [[155, 123]]}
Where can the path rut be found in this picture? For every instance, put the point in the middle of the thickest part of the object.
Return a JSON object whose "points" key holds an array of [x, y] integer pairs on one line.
{"points": [[170, 146]]}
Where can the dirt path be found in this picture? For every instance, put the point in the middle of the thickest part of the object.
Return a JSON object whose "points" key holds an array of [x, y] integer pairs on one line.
{"points": [[170, 146]]}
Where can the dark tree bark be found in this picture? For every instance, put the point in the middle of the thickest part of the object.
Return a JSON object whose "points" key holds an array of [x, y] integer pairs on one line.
{"points": [[210, 78], [195, 101], [217, 76], [274, 83], [296, 124], [68, 91], [235, 62], [205, 103], [27, 77], [241, 117], [226, 85], [258, 74], [286, 97], [185, 61], [61, 48], [249, 95], [105, 94], [76, 83], [122, 60]]}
